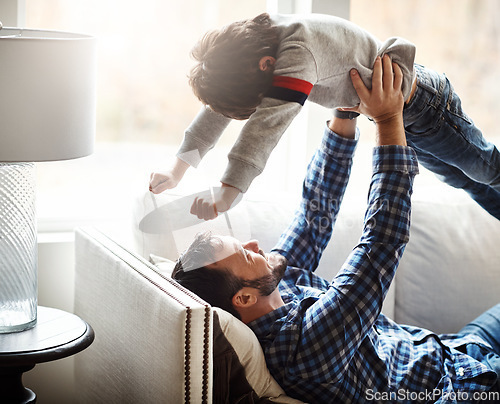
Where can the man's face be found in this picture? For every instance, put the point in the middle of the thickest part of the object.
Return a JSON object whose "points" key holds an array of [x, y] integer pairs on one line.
{"points": [[249, 263]]}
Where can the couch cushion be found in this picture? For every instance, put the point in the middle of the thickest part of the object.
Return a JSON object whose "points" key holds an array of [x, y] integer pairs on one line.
{"points": [[450, 271], [250, 355]]}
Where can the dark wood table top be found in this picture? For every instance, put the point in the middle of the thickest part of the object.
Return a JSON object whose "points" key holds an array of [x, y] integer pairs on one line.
{"points": [[56, 335]]}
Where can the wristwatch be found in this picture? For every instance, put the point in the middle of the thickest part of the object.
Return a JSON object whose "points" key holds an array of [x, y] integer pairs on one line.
{"points": [[337, 113]]}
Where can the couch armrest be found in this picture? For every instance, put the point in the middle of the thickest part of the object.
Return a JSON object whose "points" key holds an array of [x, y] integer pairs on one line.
{"points": [[153, 339]]}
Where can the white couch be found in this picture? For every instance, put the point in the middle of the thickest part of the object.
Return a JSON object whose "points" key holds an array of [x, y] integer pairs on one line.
{"points": [[154, 340]]}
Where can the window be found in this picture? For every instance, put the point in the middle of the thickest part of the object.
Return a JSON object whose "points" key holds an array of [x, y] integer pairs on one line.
{"points": [[460, 38], [144, 100], [145, 103]]}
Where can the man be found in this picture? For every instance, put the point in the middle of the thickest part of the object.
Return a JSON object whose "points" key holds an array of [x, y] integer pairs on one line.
{"points": [[326, 342]]}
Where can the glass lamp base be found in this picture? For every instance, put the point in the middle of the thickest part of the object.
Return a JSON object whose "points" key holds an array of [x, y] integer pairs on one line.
{"points": [[17, 319], [18, 247]]}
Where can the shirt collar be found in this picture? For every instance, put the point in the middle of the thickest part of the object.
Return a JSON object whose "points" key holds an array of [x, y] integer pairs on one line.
{"points": [[264, 325]]}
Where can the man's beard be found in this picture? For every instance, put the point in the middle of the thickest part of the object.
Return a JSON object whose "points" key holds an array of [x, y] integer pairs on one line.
{"points": [[268, 283]]}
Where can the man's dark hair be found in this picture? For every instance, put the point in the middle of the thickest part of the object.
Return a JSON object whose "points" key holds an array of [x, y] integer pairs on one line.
{"points": [[216, 286], [227, 76]]}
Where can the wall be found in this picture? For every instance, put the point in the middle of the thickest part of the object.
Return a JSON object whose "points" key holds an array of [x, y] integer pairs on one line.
{"points": [[53, 382]]}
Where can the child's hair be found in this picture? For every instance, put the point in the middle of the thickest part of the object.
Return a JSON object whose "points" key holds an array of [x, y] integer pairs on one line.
{"points": [[227, 76]]}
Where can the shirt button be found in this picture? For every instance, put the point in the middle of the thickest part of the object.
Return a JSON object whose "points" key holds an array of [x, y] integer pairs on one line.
{"points": [[460, 371]]}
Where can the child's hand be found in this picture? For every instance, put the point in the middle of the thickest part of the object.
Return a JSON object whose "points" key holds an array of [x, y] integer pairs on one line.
{"points": [[209, 208], [159, 182], [169, 179]]}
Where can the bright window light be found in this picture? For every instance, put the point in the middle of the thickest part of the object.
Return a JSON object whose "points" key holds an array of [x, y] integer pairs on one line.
{"points": [[145, 103]]}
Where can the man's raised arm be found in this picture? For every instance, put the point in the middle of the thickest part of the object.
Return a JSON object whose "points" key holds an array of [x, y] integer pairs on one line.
{"points": [[303, 242], [341, 318]]}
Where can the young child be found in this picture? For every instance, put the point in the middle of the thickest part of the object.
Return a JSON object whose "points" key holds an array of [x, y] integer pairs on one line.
{"points": [[265, 68]]}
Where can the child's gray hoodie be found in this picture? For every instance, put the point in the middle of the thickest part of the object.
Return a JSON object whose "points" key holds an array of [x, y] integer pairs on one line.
{"points": [[318, 49]]}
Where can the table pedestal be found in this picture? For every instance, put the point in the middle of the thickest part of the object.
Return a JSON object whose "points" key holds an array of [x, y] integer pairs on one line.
{"points": [[57, 335], [12, 389]]}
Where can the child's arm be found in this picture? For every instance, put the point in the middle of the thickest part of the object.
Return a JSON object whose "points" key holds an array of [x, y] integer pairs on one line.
{"points": [[249, 155], [202, 135], [161, 181], [258, 138], [199, 138]]}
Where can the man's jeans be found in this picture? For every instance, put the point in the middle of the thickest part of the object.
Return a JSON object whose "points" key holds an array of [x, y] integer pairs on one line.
{"points": [[487, 326], [448, 143]]}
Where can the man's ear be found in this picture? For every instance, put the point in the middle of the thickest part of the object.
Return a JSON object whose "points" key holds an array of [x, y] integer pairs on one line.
{"points": [[244, 298], [266, 63]]}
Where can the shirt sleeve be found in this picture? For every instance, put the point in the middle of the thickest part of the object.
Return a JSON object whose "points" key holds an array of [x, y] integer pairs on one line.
{"points": [[257, 139], [334, 325], [202, 135], [303, 242]]}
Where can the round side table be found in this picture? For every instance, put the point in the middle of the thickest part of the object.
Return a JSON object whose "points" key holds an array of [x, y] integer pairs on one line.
{"points": [[56, 335]]}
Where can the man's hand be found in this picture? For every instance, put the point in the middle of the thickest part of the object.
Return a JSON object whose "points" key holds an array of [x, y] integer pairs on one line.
{"points": [[384, 102], [222, 200]]}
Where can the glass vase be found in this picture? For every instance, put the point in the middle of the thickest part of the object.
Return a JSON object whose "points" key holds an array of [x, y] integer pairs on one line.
{"points": [[18, 247]]}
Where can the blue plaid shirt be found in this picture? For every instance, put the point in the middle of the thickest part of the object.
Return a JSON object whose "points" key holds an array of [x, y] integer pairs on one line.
{"points": [[330, 343]]}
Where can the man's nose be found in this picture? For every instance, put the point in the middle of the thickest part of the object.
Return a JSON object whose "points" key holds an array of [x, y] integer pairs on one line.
{"points": [[252, 245]]}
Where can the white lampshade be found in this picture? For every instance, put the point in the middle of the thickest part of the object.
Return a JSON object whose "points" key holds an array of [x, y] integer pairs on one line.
{"points": [[47, 95], [47, 112]]}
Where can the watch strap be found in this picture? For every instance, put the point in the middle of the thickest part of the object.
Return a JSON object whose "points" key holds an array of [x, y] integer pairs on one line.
{"points": [[337, 113]]}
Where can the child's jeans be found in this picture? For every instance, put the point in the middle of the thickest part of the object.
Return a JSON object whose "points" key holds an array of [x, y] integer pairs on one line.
{"points": [[448, 143]]}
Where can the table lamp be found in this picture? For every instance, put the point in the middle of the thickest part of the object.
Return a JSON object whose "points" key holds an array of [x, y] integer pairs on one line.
{"points": [[47, 113]]}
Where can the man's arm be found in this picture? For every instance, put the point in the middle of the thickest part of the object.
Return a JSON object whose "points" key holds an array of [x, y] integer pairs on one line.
{"points": [[334, 325], [303, 242]]}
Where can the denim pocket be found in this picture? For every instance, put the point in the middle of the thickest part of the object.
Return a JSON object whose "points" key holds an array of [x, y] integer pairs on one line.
{"points": [[454, 107], [424, 115], [428, 123]]}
